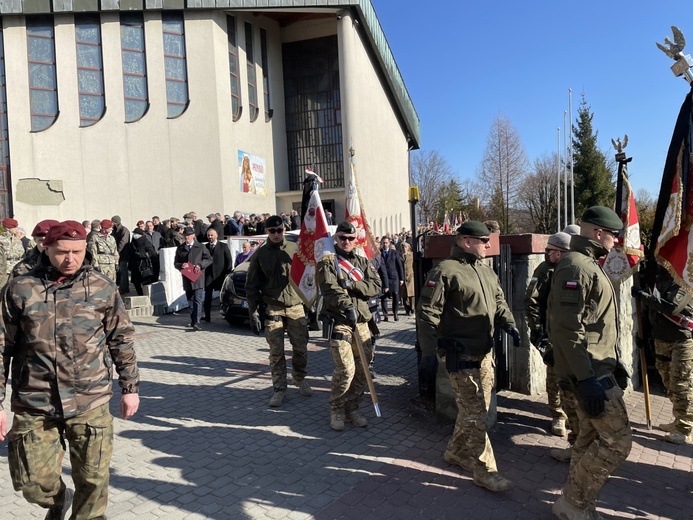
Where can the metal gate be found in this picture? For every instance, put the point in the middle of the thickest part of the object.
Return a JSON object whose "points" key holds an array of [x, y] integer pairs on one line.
{"points": [[502, 265]]}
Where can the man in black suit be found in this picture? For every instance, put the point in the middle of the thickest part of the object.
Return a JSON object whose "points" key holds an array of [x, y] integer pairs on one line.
{"points": [[215, 274], [195, 257], [395, 277]]}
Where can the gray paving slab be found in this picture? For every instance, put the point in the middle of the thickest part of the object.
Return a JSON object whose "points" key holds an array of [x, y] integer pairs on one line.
{"points": [[205, 444]]}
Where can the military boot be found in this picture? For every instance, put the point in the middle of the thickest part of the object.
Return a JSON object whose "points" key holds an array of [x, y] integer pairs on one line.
{"points": [[59, 512], [337, 420], [304, 388], [561, 454], [355, 418], [558, 427], [277, 399], [465, 463], [667, 427], [566, 511], [677, 437], [493, 481]]}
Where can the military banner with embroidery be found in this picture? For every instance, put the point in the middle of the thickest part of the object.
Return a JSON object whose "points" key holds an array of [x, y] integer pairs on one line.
{"points": [[365, 241], [314, 242]]}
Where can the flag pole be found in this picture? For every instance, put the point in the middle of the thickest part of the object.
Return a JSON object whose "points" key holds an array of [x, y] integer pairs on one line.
{"points": [[558, 177]]}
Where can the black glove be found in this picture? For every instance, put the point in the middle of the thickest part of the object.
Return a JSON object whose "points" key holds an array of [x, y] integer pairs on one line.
{"points": [[345, 283], [592, 395], [512, 331], [351, 317], [536, 336], [636, 292], [428, 368], [255, 323], [547, 354], [640, 342], [621, 375]]}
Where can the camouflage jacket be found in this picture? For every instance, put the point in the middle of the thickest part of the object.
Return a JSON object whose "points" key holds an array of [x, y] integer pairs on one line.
{"points": [[14, 250], [103, 249], [30, 260], [62, 336], [669, 300]]}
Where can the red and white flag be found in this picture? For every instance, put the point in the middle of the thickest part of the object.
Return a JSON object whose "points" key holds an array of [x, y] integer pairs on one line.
{"points": [[623, 258], [365, 241], [314, 242]]}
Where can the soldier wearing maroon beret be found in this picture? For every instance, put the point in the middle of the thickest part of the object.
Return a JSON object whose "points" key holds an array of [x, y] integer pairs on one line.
{"points": [[63, 326], [32, 257], [11, 249]]}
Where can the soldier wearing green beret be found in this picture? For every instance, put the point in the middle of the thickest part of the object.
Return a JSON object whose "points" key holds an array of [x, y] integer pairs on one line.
{"points": [[460, 305], [583, 328]]}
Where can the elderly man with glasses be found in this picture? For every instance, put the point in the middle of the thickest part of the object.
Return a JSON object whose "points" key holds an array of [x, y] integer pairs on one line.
{"points": [[461, 303], [347, 282], [561, 403], [268, 285]]}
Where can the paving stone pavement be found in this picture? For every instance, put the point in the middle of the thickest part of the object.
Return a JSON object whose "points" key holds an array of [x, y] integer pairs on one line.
{"points": [[205, 444]]}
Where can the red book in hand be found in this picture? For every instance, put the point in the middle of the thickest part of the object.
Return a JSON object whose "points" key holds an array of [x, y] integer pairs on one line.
{"points": [[190, 274]]}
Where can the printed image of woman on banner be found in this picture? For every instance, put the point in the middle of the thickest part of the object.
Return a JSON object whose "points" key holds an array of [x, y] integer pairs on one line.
{"points": [[251, 172]]}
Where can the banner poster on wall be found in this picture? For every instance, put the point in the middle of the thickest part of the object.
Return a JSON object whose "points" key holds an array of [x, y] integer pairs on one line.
{"points": [[251, 172]]}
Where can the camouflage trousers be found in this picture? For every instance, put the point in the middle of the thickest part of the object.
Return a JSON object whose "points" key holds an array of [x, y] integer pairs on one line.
{"points": [[297, 329], [35, 454], [603, 444], [570, 405], [677, 375], [469, 441], [553, 393], [348, 378]]}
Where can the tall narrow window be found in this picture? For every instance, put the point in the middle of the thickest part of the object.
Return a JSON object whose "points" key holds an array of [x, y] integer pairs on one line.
{"points": [[43, 83], [236, 107], [252, 79], [176, 70], [5, 199], [134, 66], [265, 74], [92, 105]]}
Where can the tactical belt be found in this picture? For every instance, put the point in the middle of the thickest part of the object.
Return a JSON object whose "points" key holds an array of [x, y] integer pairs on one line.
{"points": [[338, 336], [681, 321]]}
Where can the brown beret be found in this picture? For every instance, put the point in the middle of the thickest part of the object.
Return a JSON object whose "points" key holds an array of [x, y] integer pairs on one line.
{"points": [[106, 223], [68, 230], [42, 227], [9, 223]]}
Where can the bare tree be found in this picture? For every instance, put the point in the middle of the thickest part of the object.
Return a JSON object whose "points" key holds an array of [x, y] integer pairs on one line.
{"points": [[503, 170], [431, 172], [646, 204], [539, 194]]}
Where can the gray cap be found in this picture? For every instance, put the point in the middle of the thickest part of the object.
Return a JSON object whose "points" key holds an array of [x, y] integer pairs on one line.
{"points": [[572, 229], [560, 240]]}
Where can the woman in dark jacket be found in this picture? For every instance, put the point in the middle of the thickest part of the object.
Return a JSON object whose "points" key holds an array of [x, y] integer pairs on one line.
{"points": [[141, 261]]}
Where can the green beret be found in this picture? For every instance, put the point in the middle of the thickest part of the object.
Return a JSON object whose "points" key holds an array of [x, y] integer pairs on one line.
{"points": [[473, 228], [346, 227], [602, 217], [274, 221]]}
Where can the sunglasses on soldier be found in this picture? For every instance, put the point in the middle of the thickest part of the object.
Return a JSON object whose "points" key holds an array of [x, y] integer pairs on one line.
{"points": [[272, 231], [343, 238]]}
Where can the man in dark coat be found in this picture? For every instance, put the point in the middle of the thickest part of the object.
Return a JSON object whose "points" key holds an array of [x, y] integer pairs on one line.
{"points": [[215, 274], [216, 224], [191, 259], [122, 238], [234, 227], [392, 264]]}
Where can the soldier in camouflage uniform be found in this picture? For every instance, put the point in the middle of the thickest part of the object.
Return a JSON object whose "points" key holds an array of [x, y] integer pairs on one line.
{"points": [[583, 328], [460, 305], [32, 257], [267, 284], [104, 249], [12, 247], [561, 401], [672, 329], [62, 328], [345, 294]]}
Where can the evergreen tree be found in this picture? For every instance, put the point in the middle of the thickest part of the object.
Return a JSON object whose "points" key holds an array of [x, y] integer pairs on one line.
{"points": [[593, 178]]}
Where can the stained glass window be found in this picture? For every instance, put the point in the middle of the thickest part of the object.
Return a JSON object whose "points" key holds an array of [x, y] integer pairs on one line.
{"points": [[236, 107], [5, 200], [175, 65], [252, 79], [265, 74], [134, 66], [92, 103], [43, 83]]}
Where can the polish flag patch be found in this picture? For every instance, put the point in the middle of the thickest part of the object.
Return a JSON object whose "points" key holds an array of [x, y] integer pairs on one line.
{"points": [[431, 283], [571, 285]]}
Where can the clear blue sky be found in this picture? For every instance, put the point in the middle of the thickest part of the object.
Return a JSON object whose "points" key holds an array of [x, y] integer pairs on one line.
{"points": [[466, 62]]}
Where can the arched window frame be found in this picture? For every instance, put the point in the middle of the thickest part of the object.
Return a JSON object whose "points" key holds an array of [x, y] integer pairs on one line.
{"points": [[90, 80], [251, 72], [234, 68], [175, 63], [134, 68], [43, 79], [264, 62]]}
